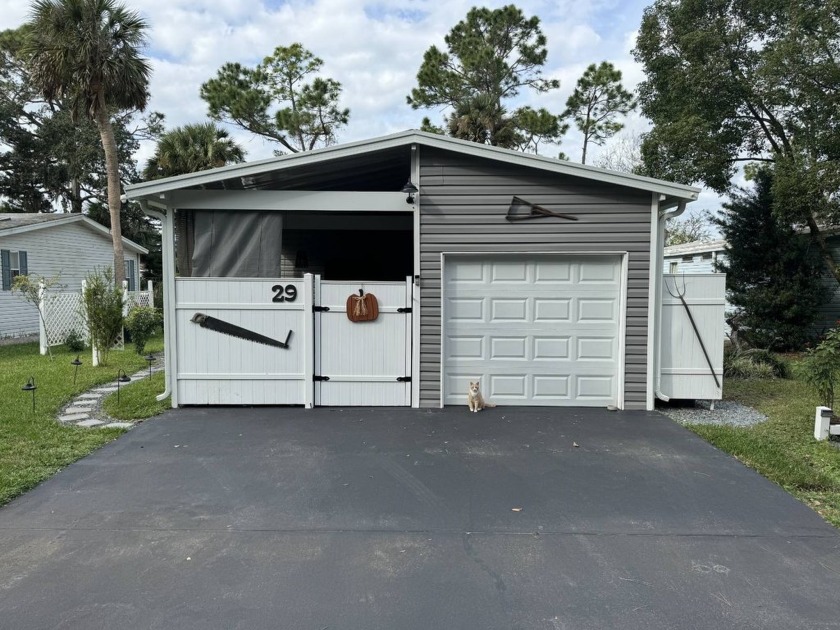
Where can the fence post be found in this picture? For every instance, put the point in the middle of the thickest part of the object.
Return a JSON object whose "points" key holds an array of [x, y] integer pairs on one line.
{"points": [[125, 297], [42, 316], [94, 353], [150, 287]]}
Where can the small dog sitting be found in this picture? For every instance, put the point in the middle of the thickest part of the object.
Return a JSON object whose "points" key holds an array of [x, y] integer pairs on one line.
{"points": [[475, 400]]}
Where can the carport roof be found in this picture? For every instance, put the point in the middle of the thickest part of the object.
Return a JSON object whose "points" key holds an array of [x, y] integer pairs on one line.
{"points": [[254, 174]]}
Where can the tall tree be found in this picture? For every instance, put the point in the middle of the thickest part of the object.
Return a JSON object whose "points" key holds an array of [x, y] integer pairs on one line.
{"points": [[773, 272], [734, 81], [86, 53], [275, 101], [596, 103], [688, 229], [623, 154], [491, 56], [191, 148]]}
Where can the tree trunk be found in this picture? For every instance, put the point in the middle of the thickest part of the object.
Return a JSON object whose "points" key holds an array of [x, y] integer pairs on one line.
{"points": [[828, 259], [76, 196], [583, 156], [112, 167]]}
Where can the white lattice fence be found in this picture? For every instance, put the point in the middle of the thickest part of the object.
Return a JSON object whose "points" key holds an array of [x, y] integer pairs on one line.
{"points": [[62, 314]]}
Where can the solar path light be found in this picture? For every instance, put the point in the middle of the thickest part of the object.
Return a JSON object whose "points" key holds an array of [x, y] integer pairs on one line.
{"points": [[31, 387], [122, 377]]}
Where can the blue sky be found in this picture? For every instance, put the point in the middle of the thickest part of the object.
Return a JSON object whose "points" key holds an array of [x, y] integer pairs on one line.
{"points": [[373, 48]]}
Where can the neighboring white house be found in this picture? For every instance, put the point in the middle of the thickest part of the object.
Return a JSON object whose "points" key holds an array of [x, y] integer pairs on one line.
{"points": [[694, 257], [67, 245]]}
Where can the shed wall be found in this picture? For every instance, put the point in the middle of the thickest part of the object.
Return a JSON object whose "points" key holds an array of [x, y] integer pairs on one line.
{"points": [[68, 251], [463, 204]]}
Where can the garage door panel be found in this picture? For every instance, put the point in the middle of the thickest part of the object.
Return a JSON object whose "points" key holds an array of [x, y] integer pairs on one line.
{"points": [[535, 331], [509, 310]]}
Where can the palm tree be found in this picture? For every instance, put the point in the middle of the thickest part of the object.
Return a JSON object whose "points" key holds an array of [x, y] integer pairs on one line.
{"points": [[86, 53], [192, 148]]}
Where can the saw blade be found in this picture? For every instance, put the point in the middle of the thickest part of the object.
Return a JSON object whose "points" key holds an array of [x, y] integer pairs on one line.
{"points": [[226, 328]]}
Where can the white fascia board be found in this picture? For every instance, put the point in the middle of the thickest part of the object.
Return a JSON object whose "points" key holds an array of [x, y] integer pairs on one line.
{"points": [[291, 200], [74, 218], [406, 138]]}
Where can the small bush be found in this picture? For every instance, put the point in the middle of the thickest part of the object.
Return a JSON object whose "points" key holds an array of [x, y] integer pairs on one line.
{"points": [[754, 363], [102, 303], [141, 323], [821, 367], [74, 341]]}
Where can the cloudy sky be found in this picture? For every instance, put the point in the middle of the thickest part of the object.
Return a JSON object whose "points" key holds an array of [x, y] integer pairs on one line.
{"points": [[373, 48]]}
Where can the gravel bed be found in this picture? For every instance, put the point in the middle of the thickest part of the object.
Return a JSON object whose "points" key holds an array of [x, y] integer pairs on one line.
{"points": [[726, 412]]}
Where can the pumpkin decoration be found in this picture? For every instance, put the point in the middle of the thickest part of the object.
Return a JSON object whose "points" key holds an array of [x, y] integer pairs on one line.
{"points": [[362, 307]]}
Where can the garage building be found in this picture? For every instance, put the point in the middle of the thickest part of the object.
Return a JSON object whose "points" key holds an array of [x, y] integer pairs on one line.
{"points": [[541, 278]]}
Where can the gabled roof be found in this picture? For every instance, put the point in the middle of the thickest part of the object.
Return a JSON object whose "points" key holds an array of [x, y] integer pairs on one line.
{"points": [[20, 222], [154, 188], [695, 247]]}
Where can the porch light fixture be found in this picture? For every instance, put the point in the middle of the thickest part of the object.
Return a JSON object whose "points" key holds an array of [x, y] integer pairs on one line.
{"points": [[77, 362], [31, 387], [122, 377], [151, 359], [410, 190]]}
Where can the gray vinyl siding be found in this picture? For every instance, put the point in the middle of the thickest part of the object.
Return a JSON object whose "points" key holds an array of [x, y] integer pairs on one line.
{"points": [[70, 251], [463, 204], [697, 264]]}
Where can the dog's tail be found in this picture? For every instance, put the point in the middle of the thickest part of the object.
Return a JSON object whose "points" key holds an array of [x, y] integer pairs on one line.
{"points": [[487, 404]]}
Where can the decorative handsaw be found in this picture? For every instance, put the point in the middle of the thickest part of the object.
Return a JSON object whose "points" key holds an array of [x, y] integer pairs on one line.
{"points": [[226, 328]]}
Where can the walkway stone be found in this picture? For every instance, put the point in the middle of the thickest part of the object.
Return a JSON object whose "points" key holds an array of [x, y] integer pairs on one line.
{"points": [[86, 409], [89, 423]]}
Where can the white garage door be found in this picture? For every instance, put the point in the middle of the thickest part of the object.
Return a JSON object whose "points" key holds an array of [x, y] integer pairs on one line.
{"points": [[536, 330]]}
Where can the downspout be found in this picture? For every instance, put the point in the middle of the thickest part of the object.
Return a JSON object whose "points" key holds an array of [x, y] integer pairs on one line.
{"points": [[664, 215], [167, 247]]}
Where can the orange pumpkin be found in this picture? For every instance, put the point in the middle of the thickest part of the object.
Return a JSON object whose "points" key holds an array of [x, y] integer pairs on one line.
{"points": [[362, 308]]}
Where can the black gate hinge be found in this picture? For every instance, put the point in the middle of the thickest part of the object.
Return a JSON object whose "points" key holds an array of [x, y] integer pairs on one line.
{"points": [[404, 379], [320, 309], [406, 309], [315, 377]]}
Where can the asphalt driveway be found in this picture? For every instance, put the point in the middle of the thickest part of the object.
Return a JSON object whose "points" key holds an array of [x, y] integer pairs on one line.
{"points": [[402, 519]]}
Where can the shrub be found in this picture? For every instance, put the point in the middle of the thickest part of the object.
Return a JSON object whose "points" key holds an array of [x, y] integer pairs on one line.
{"points": [[142, 321], [74, 341], [754, 363], [102, 308], [821, 367]]}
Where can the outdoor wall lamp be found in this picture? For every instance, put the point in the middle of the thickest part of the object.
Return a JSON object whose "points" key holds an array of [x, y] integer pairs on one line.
{"points": [[151, 359], [122, 377], [77, 362], [410, 190], [31, 387]]}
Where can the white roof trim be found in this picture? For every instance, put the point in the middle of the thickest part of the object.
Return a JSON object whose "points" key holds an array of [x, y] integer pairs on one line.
{"points": [[695, 247], [157, 187], [75, 218]]}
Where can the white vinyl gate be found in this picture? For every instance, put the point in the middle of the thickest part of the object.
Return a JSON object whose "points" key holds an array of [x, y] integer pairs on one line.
{"points": [[362, 363]]}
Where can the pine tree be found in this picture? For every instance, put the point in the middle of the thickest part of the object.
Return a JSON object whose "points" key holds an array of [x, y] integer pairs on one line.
{"points": [[773, 271]]}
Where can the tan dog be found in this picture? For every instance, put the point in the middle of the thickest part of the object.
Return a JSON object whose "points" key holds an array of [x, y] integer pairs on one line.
{"points": [[475, 400]]}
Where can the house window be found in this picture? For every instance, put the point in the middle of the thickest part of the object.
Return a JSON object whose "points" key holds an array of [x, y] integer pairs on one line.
{"points": [[707, 256], [688, 258], [673, 267], [129, 274], [12, 264]]}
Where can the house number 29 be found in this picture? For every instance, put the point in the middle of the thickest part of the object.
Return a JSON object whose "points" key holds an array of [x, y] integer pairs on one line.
{"points": [[282, 293]]}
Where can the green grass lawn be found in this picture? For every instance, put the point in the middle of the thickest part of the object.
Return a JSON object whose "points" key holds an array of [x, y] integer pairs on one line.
{"points": [[783, 448], [137, 399], [34, 446]]}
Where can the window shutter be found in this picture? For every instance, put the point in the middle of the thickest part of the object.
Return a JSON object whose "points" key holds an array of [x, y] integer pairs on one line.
{"points": [[6, 264], [129, 274], [24, 263]]}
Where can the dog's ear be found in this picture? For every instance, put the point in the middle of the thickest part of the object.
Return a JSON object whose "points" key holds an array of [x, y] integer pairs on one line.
{"points": [[476, 383], [471, 383]]}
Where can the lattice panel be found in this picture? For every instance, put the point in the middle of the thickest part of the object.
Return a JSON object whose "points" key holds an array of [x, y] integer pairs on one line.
{"points": [[139, 298], [63, 313]]}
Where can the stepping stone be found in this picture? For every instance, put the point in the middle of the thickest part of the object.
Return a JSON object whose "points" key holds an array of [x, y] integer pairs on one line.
{"points": [[90, 423], [106, 389], [73, 417], [72, 410], [88, 396], [118, 425]]}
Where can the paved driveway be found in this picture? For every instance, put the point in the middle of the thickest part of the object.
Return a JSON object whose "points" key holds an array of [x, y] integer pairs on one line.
{"points": [[402, 519]]}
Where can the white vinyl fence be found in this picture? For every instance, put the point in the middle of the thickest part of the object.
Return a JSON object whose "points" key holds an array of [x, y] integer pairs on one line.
{"points": [[63, 313]]}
